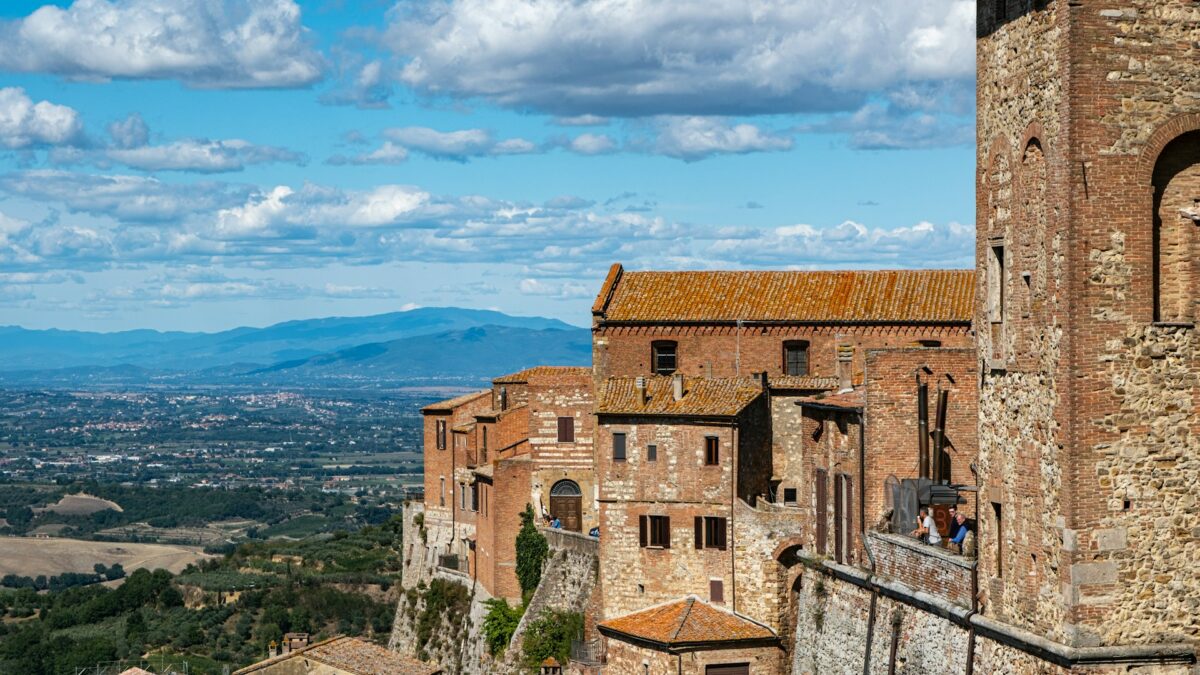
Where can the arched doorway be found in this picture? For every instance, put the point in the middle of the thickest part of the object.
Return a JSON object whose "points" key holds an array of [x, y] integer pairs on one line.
{"points": [[566, 504]]}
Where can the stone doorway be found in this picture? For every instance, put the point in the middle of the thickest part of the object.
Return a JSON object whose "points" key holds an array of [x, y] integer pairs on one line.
{"points": [[566, 504]]}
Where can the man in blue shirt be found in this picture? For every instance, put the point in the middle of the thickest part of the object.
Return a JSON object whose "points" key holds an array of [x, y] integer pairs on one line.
{"points": [[960, 534]]}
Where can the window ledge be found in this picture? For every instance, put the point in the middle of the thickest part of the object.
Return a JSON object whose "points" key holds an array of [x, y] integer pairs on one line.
{"points": [[1173, 324]]}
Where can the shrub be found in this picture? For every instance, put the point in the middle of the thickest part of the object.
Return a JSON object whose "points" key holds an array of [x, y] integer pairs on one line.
{"points": [[500, 624], [532, 550], [550, 635]]}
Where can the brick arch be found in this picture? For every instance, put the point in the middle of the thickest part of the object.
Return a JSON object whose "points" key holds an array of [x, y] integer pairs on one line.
{"points": [[1159, 140], [784, 546], [1034, 132]]}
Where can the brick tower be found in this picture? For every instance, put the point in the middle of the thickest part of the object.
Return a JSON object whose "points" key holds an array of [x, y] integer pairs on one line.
{"points": [[1088, 249]]}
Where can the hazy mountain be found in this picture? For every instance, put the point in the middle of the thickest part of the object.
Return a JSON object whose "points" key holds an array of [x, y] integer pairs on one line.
{"points": [[470, 356], [38, 350]]}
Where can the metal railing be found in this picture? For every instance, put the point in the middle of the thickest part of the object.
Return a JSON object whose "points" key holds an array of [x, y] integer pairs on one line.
{"points": [[588, 653]]}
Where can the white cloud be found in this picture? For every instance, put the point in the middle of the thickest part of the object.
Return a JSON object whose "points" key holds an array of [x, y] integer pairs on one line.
{"points": [[130, 132], [564, 290], [592, 144], [457, 145], [388, 153], [201, 156], [581, 121], [203, 43], [24, 123], [645, 57], [695, 138], [130, 198], [900, 126], [850, 244]]}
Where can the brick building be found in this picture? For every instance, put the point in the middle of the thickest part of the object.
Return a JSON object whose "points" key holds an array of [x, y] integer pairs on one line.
{"points": [[711, 466], [527, 440]]}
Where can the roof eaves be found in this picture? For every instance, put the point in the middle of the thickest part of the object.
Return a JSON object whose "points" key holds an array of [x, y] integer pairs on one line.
{"points": [[600, 306]]}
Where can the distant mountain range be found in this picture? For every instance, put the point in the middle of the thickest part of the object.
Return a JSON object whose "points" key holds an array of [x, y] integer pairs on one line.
{"points": [[421, 347]]}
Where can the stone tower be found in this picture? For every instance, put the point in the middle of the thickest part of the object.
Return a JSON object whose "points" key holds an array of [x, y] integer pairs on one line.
{"points": [[1088, 248]]}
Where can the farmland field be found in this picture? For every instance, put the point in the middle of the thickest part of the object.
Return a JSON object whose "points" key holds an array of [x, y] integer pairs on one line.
{"points": [[30, 556]]}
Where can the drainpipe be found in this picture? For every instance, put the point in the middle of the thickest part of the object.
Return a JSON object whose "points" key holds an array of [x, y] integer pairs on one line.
{"points": [[862, 529], [974, 582], [733, 457]]}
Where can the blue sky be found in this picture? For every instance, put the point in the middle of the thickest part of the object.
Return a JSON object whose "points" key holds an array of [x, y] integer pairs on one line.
{"points": [[202, 164]]}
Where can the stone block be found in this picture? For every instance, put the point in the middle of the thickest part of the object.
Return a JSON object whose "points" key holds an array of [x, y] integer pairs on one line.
{"points": [[1110, 539], [1094, 573]]}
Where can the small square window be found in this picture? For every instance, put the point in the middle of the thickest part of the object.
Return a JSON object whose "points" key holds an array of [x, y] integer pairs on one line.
{"points": [[664, 358], [654, 531], [652, 453], [789, 496], [795, 357]]}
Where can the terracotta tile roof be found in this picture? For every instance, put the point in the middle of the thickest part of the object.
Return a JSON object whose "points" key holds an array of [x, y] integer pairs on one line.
{"points": [[686, 621], [810, 382], [547, 375], [452, 403], [848, 400], [463, 428], [354, 656], [898, 296], [718, 397]]}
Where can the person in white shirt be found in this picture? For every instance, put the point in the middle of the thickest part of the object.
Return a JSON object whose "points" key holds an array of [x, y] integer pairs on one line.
{"points": [[926, 528]]}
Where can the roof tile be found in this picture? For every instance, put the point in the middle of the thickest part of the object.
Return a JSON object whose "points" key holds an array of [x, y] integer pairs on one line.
{"points": [[355, 656], [720, 397], [943, 296], [452, 403], [686, 621], [547, 375]]}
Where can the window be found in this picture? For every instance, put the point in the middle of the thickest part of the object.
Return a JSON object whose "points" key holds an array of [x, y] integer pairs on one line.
{"points": [[716, 590], [712, 451], [652, 453], [995, 284], [663, 359], [566, 430], [999, 513], [475, 496], [484, 444], [443, 492], [795, 357], [462, 496], [441, 434], [504, 398], [654, 531], [710, 532], [789, 496], [820, 486], [483, 500], [618, 447]]}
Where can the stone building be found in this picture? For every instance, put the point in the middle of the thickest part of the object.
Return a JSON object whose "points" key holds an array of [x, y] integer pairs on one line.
{"points": [[340, 656], [488, 454]]}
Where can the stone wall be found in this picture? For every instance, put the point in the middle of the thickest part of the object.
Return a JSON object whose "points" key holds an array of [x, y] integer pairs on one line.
{"points": [[923, 567], [627, 658]]}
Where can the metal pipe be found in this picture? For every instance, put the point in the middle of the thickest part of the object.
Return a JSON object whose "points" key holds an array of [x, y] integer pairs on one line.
{"points": [[939, 436], [922, 429], [862, 530]]}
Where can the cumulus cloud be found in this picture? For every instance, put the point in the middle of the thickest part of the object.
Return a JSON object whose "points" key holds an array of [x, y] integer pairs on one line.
{"points": [[457, 145], [849, 244], [130, 132], [202, 43], [24, 123], [643, 57], [695, 138], [592, 144], [363, 84]]}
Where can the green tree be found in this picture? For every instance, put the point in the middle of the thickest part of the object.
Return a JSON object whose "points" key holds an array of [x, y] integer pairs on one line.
{"points": [[532, 550]]}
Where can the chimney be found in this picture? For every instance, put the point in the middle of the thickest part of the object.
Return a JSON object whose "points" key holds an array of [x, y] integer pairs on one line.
{"points": [[640, 385], [845, 367], [273, 650], [763, 381], [677, 386]]}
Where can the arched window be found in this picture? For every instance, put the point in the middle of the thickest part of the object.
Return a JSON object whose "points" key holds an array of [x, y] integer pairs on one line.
{"points": [[566, 488], [1176, 182]]}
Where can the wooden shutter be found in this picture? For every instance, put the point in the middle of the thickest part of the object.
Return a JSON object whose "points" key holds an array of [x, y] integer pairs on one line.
{"points": [[822, 509], [666, 526], [848, 516], [642, 531], [699, 532], [722, 525], [716, 590], [566, 430], [838, 532]]}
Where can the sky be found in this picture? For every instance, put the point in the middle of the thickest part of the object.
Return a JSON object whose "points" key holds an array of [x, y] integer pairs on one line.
{"points": [[205, 164]]}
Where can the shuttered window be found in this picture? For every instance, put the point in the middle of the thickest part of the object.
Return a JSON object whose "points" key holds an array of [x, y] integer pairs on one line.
{"points": [[820, 485], [711, 532], [618, 441], [795, 357], [712, 451], [566, 430], [716, 590], [654, 531]]}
